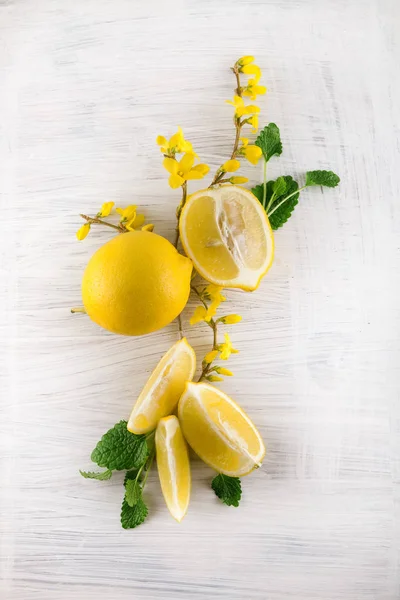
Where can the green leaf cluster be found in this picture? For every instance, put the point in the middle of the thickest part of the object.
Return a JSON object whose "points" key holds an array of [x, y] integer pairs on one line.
{"points": [[279, 197], [120, 450]]}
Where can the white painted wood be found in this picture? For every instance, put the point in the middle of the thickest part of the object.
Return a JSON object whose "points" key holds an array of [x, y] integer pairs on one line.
{"points": [[85, 87]]}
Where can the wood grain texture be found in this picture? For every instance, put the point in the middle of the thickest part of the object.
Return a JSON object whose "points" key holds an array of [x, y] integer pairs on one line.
{"points": [[85, 87]]}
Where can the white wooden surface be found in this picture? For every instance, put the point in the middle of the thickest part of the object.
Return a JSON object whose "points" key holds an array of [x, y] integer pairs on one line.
{"points": [[85, 87]]}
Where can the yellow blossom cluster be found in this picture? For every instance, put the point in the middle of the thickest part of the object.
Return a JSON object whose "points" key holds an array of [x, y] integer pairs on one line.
{"points": [[184, 169], [130, 220]]}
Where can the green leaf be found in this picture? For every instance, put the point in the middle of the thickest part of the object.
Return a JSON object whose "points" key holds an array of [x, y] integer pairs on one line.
{"points": [[120, 449], [279, 186], [283, 213], [326, 178], [228, 489], [133, 492], [132, 516], [269, 140], [99, 476]]}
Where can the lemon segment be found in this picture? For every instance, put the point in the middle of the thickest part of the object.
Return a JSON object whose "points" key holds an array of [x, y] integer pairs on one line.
{"points": [[226, 233], [136, 283], [219, 431], [164, 387], [173, 466]]}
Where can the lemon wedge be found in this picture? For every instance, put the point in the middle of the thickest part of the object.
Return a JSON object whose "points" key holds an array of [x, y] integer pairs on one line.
{"points": [[173, 466], [163, 389], [219, 431], [226, 233]]}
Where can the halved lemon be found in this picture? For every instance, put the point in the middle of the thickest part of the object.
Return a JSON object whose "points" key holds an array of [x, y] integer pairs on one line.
{"points": [[163, 389], [219, 431], [226, 233], [173, 466]]}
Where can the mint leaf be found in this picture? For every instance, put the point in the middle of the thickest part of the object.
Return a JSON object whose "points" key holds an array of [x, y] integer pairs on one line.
{"points": [[279, 215], [326, 178], [228, 489], [134, 511], [132, 474], [279, 186], [99, 476], [120, 449], [133, 492], [132, 516], [269, 140]]}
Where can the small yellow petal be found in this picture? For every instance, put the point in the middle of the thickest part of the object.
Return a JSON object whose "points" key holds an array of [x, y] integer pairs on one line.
{"points": [[139, 220], [223, 371], [175, 181], [83, 231], [251, 70], [106, 209], [171, 165], [161, 140], [231, 319], [231, 166], [186, 163], [148, 227], [245, 60], [252, 153], [244, 141], [128, 213], [199, 315], [211, 356], [238, 180], [214, 378], [202, 168]]}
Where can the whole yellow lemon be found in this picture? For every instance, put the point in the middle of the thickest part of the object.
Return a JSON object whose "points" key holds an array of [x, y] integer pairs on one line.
{"points": [[136, 283]]}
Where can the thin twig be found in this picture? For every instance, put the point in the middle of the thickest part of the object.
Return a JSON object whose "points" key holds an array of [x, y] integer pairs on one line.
{"points": [[91, 220], [238, 125]]}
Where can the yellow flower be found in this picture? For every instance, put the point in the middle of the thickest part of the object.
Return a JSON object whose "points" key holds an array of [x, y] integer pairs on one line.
{"points": [[245, 60], [226, 348], [231, 319], [240, 107], [251, 70], [211, 356], [244, 141], [252, 153], [253, 121], [127, 213], [83, 231], [214, 378], [184, 170], [135, 222], [231, 166], [106, 209], [213, 292], [252, 90], [223, 371], [238, 180], [175, 145], [148, 227], [199, 314]]}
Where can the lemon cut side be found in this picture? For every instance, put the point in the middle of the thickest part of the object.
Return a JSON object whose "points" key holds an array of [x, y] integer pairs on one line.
{"points": [[226, 233], [219, 431], [163, 389], [173, 466]]}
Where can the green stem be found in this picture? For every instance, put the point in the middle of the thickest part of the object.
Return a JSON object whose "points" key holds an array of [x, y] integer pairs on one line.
{"points": [[149, 463], [265, 184], [284, 200], [271, 200]]}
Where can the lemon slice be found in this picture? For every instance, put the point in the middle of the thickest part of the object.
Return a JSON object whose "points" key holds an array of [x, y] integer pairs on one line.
{"points": [[226, 233], [173, 466], [163, 389], [219, 431]]}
